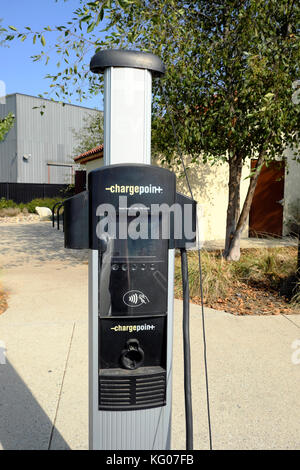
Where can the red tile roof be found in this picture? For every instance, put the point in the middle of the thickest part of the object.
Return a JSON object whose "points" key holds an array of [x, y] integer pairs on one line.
{"points": [[92, 154]]}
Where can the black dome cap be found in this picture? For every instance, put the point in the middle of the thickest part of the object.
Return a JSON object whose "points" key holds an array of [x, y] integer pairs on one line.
{"points": [[124, 58]]}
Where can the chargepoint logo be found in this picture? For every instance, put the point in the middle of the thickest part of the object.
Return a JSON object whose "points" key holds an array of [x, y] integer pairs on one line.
{"points": [[131, 190], [133, 328], [135, 298]]}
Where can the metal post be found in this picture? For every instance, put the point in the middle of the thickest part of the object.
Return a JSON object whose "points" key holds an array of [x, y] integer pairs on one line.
{"points": [[127, 139], [298, 263]]}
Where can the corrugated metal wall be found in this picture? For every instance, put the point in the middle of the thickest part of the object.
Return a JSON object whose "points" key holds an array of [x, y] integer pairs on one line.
{"points": [[8, 147], [42, 140], [47, 138], [26, 192]]}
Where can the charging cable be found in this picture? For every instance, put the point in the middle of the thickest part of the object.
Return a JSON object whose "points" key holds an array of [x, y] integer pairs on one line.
{"points": [[187, 350], [200, 281]]}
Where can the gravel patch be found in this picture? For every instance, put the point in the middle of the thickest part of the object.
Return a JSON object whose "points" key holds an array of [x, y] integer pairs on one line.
{"points": [[20, 219]]}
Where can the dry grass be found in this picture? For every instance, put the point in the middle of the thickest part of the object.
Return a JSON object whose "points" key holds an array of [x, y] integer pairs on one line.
{"points": [[3, 302], [264, 267], [296, 297], [9, 212]]}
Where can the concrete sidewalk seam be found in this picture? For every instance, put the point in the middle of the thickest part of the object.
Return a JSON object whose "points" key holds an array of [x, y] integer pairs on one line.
{"points": [[61, 387], [291, 321]]}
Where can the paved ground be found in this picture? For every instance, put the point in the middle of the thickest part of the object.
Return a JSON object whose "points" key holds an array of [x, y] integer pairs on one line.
{"points": [[254, 386]]}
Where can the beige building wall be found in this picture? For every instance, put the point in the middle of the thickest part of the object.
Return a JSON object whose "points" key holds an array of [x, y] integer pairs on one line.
{"points": [[93, 165], [291, 210], [210, 188]]}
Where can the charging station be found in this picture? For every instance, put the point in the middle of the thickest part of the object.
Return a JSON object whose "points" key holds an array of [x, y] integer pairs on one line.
{"points": [[131, 278]]}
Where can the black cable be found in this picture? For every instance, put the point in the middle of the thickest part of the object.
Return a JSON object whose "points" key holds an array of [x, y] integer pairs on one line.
{"points": [[187, 350], [200, 276]]}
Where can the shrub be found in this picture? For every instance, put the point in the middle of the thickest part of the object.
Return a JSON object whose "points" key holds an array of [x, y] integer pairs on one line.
{"points": [[7, 203], [9, 212], [28, 207], [47, 202], [217, 275], [296, 296], [263, 267]]}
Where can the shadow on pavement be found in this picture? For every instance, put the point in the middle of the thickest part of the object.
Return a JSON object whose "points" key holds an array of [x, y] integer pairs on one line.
{"points": [[23, 423]]}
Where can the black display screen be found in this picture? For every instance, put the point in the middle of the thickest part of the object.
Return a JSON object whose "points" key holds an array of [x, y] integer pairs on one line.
{"points": [[133, 275], [137, 248], [143, 245]]}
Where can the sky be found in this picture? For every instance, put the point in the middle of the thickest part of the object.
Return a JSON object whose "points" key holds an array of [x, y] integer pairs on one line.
{"points": [[19, 73]]}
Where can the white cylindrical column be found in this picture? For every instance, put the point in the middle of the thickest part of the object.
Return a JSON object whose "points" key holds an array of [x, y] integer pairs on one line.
{"points": [[127, 115]]}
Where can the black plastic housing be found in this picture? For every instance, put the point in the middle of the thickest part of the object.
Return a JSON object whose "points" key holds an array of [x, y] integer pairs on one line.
{"points": [[79, 211], [76, 221], [124, 58], [133, 275], [189, 212]]}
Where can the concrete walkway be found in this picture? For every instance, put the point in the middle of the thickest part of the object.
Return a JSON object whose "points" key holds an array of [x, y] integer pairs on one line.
{"points": [[254, 386]]}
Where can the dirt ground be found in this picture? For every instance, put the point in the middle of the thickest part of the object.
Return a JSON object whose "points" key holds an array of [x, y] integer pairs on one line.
{"points": [[251, 300]]}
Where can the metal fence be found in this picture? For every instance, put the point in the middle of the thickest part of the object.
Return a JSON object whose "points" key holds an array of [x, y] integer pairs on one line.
{"points": [[25, 192]]}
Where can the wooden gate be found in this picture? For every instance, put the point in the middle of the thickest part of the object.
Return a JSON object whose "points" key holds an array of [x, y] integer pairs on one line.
{"points": [[266, 213]]}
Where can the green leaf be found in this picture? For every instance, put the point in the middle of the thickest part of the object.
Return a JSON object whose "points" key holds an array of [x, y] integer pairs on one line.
{"points": [[91, 27], [100, 16], [5, 125], [43, 40], [13, 28]]}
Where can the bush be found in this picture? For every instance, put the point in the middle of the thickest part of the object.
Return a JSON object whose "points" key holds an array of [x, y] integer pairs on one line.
{"points": [[263, 267], [47, 202], [266, 266], [28, 207], [9, 212], [217, 275], [296, 297], [7, 203]]}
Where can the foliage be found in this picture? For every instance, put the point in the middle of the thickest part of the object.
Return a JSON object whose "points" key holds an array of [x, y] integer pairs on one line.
{"points": [[263, 267], [30, 206], [91, 135], [231, 66], [9, 212], [296, 297], [69, 191], [40, 202], [5, 125], [232, 75], [7, 203]]}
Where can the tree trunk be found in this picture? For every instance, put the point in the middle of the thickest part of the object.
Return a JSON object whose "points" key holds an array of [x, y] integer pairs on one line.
{"points": [[233, 252], [298, 261], [233, 210]]}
